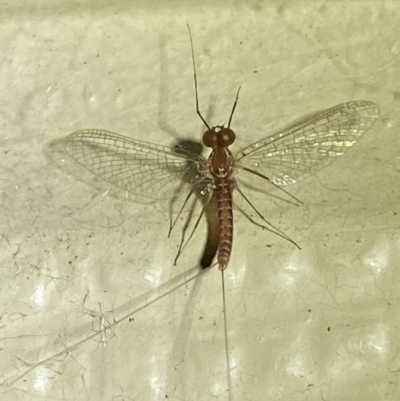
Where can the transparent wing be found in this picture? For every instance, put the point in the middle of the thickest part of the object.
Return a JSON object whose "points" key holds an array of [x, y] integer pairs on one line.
{"points": [[142, 168], [294, 153]]}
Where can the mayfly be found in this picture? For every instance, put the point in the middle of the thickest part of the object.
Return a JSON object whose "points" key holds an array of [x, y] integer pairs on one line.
{"points": [[158, 172]]}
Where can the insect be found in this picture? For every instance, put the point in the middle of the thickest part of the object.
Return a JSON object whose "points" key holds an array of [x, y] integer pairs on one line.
{"points": [[158, 172]]}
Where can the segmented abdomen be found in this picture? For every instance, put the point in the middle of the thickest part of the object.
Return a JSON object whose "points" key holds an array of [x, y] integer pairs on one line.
{"points": [[223, 194]]}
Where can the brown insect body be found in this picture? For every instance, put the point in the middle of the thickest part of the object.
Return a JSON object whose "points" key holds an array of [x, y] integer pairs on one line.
{"points": [[221, 165]]}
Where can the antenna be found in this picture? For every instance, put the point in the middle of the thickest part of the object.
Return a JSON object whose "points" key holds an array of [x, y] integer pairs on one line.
{"points": [[234, 107], [195, 82]]}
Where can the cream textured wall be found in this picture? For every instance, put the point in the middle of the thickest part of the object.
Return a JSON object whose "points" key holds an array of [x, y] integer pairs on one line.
{"points": [[77, 255]]}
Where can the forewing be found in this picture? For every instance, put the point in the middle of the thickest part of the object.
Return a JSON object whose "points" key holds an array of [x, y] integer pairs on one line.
{"points": [[142, 168], [292, 154]]}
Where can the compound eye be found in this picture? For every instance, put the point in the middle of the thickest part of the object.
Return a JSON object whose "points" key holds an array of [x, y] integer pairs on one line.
{"points": [[210, 138], [226, 137]]}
